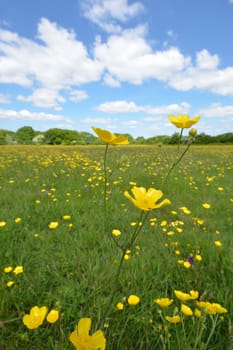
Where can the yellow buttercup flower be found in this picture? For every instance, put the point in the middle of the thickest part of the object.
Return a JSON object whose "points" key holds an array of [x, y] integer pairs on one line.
{"points": [[53, 224], [18, 269], [173, 319], [163, 302], [110, 138], [146, 199], [133, 300], [183, 121], [120, 306], [35, 318], [186, 310], [182, 296], [81, 339], [52, 316]]}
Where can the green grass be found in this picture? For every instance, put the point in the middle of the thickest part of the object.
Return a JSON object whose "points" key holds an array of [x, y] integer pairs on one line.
{"points": [[72, 267]]}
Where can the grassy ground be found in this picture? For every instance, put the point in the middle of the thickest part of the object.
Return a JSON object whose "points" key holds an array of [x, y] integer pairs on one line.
{"points": [[71, 268]]}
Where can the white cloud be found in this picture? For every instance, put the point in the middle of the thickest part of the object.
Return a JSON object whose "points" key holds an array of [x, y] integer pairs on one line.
{"points": [[93, 121], [58, 61], [77, 95], [4, 98], [45, 98], [108, 13], [131, 107], [31, 116], [129, 57], [216, 110]]}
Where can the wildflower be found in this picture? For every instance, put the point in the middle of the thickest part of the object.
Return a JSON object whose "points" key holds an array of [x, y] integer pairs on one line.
{"points": [[35, 318], [218, 243], [120, 306], [52, 225], [182, 296], [17, 220], [2, 223], [66, 217], [193, 132], [10, 283], [109, 138], [198, 257], [173, 319], [194, 294], [163, 302], [211, 308], [187, 264], [18, 269], [186, 310], [197, 313], [52, 316], [81, 339], [8, 269], [133, 300], [116, 233], [206, 205], [146, 200], [183, 121]]}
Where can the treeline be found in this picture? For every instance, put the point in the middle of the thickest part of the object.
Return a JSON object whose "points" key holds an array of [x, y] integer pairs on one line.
{"points": [[27, 135]]}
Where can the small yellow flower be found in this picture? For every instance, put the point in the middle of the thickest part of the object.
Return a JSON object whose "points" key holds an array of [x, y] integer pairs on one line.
{"points": [[17, 220], [53, 225], [18, 269], [182, 121], [8, 269], [120, 306], [2, 223], [173, 319], [182, 296], [163, 302], [116, 232], [52, 316], [66, 217], [186, 310], [133, 299], [10, 283], [206, 205], [81, 339], [194, 294], [146, 199], [110, 138], [197, 313], [35, 318], [198, 257], [218, 243], [126, 257], [187, 264]]}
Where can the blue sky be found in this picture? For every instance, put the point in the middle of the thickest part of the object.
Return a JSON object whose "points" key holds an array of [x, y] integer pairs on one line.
{"points": [[122, 65]]}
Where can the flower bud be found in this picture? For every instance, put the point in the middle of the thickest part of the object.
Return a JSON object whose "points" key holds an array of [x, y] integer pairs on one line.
{"points": [[193, 132]]}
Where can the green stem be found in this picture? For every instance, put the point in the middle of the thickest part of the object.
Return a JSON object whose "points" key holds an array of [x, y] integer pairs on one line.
{"points": [[214, 323]]}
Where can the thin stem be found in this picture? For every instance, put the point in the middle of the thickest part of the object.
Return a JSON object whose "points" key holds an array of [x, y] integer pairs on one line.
{"points": [[214, 323]]}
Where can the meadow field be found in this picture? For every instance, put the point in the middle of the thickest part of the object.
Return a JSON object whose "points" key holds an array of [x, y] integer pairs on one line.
{"points": [[64, 223]]}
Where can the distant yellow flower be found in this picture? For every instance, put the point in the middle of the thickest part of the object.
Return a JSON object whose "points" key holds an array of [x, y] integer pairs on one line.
{"points": [[110, 138], [146, 199], [197, 313], [198, 257], [163, 302], [8, 269], [183, 121], [2, 223], [194, 294], [187, 264], [120, 306], [133, 299], [35, 318], [53, 225], [182, 296], [81, 339], [17, 220], [173, 319], [10, 283], [186, 310], [66, 217], [18, 269], [206, 205], [218, 243], [116, 232], [52, 316], [211, 308]]}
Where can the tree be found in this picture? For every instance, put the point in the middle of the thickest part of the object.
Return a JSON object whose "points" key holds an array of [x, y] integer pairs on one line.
{"points": [[25, 135]]}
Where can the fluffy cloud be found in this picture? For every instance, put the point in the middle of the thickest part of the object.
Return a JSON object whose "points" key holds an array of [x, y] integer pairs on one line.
{"points": [[31, 116], [217, 110], [130, 107], [108, 13]]}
